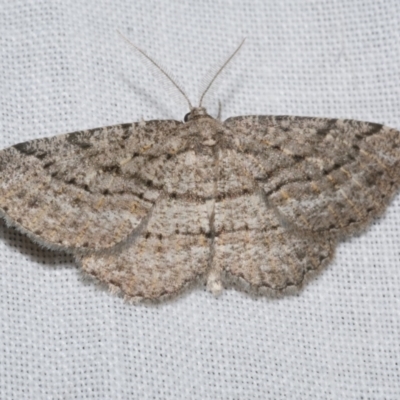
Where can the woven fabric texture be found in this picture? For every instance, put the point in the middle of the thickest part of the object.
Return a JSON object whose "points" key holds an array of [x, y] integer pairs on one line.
{"points": [[63, 67]]}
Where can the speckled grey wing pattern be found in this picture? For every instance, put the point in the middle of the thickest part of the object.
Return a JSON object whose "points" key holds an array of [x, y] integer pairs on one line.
{"points": [[86, 190], [150, 207], [123, 199], [314, 180]]}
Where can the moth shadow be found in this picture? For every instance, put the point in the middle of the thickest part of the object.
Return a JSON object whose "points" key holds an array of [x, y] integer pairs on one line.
{"points": [[58, 259], [32, 250], [229, 98], [151, 100]]}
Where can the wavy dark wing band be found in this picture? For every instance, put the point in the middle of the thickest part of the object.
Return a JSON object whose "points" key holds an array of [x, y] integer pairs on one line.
{"points": [[111, 176], [322, 175]]}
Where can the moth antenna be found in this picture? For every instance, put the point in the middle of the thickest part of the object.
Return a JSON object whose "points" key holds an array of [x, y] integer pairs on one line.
{"points": [[158, 66], [220, 70]]}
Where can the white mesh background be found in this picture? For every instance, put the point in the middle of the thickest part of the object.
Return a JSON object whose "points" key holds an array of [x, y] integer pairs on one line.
{"points": [[63, 68]]}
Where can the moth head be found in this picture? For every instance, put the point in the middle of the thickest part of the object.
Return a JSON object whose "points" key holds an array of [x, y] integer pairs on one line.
{"points": [[195, 113]]}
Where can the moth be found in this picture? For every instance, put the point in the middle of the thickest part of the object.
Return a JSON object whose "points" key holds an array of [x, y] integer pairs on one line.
{"points": [[151, 207]]}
